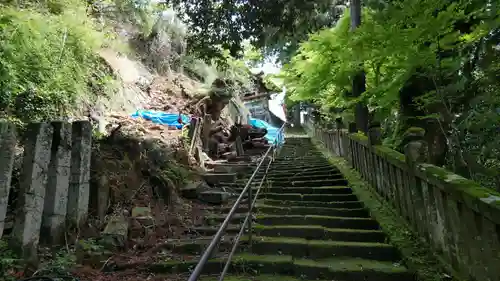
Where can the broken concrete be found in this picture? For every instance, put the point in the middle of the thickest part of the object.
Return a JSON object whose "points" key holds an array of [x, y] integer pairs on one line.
{"points": [[7, 150], [56, 194], [217, 178], [79, 190], [37, 147], [143, 215], [115, 234], [214, 196]]}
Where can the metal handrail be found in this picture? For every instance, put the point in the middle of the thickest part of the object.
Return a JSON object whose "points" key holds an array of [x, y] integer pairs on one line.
{"points": [[218, 235]]}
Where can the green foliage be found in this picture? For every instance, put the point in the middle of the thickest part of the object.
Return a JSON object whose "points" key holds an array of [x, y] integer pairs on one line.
{"points": [[453, 46], [48, 60], [10, 264], [60, 264], [274, 25]]}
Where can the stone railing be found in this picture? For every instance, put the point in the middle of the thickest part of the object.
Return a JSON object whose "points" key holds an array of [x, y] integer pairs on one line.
{"points": [[53, 188], [456, 216]]}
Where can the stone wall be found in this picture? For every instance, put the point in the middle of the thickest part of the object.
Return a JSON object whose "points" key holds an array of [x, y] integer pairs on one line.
{"points": [[53, 188], [459, 218]]}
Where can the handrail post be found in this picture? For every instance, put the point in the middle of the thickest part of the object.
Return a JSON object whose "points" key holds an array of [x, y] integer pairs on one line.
{"points": [[250, 214]]}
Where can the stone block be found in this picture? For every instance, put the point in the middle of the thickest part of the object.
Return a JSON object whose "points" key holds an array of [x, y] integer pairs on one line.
{"points": [[56, 193], [217, 178], [143, 215], [115, 233], [79, 190], [7, 154], [33, 181], [214, 197]]}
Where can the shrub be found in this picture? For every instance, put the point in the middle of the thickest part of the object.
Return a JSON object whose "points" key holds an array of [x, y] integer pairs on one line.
{"points": [[47, 61]]}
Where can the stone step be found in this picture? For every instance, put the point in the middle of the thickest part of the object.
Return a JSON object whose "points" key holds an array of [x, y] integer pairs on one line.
{"points": [[325, 221], [338, 269], [327, 204], [243, 277], [297, 168], [306, 175], [310, 197], [310, 232], [311, 171], [301, 190], [299, 163], [287, 184], [301, 160], [294, 210], [299, 176], [296, 247], [294, 169], [316, 232], [314, 157]]}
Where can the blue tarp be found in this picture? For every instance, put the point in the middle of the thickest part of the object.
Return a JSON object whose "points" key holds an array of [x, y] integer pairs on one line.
{"points": [[163, 118], [274, 135]]}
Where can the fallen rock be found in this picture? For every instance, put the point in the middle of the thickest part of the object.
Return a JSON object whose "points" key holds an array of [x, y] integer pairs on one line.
{"points": [[217, 178], [143, 215], [89, 253], [214, 197], [115, 234], [193, 188]]}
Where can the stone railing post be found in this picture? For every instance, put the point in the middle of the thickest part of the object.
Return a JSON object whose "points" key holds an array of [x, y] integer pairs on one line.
{"points": [[56, 193], [375, 175], [350, 150], [29, 210], [375, 134], [416, 149], [79, 186], [338, 126], [7, 153], [352, 128]]}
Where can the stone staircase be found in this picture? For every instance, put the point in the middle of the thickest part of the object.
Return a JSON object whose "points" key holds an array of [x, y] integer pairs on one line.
{"points": [[308, 226]]}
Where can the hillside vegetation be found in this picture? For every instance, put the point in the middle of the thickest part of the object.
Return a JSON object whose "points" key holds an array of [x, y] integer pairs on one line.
{"points": [[50, 54]]}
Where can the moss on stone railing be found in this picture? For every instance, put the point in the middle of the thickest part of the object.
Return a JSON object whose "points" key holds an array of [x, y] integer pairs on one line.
{"points": [[458, 217]]}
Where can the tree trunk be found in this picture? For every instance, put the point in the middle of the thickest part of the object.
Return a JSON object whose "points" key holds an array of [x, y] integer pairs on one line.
{"points": [[358, 82]]}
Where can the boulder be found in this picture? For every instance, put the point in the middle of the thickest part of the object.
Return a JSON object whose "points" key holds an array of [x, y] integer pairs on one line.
{"points": [[143, 215], [115, 233], [217, 178], [214, 196]]}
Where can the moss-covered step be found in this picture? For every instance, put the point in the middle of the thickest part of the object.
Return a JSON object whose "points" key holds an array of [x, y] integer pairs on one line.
{"points": [[310, 183], [301, 176], [322, 169], [305, 176], [309, 160], [310, 197], [297, 167], [337, 269], [293, 210], [296, 247], [303, 159], [301, 190], [324, 204], [311, 232], [261, 277], [319, 249], [325, 221], [316, 232]]}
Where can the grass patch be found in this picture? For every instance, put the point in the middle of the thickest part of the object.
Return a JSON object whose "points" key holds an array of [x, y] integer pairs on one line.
{"points": [[416, 253]]}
